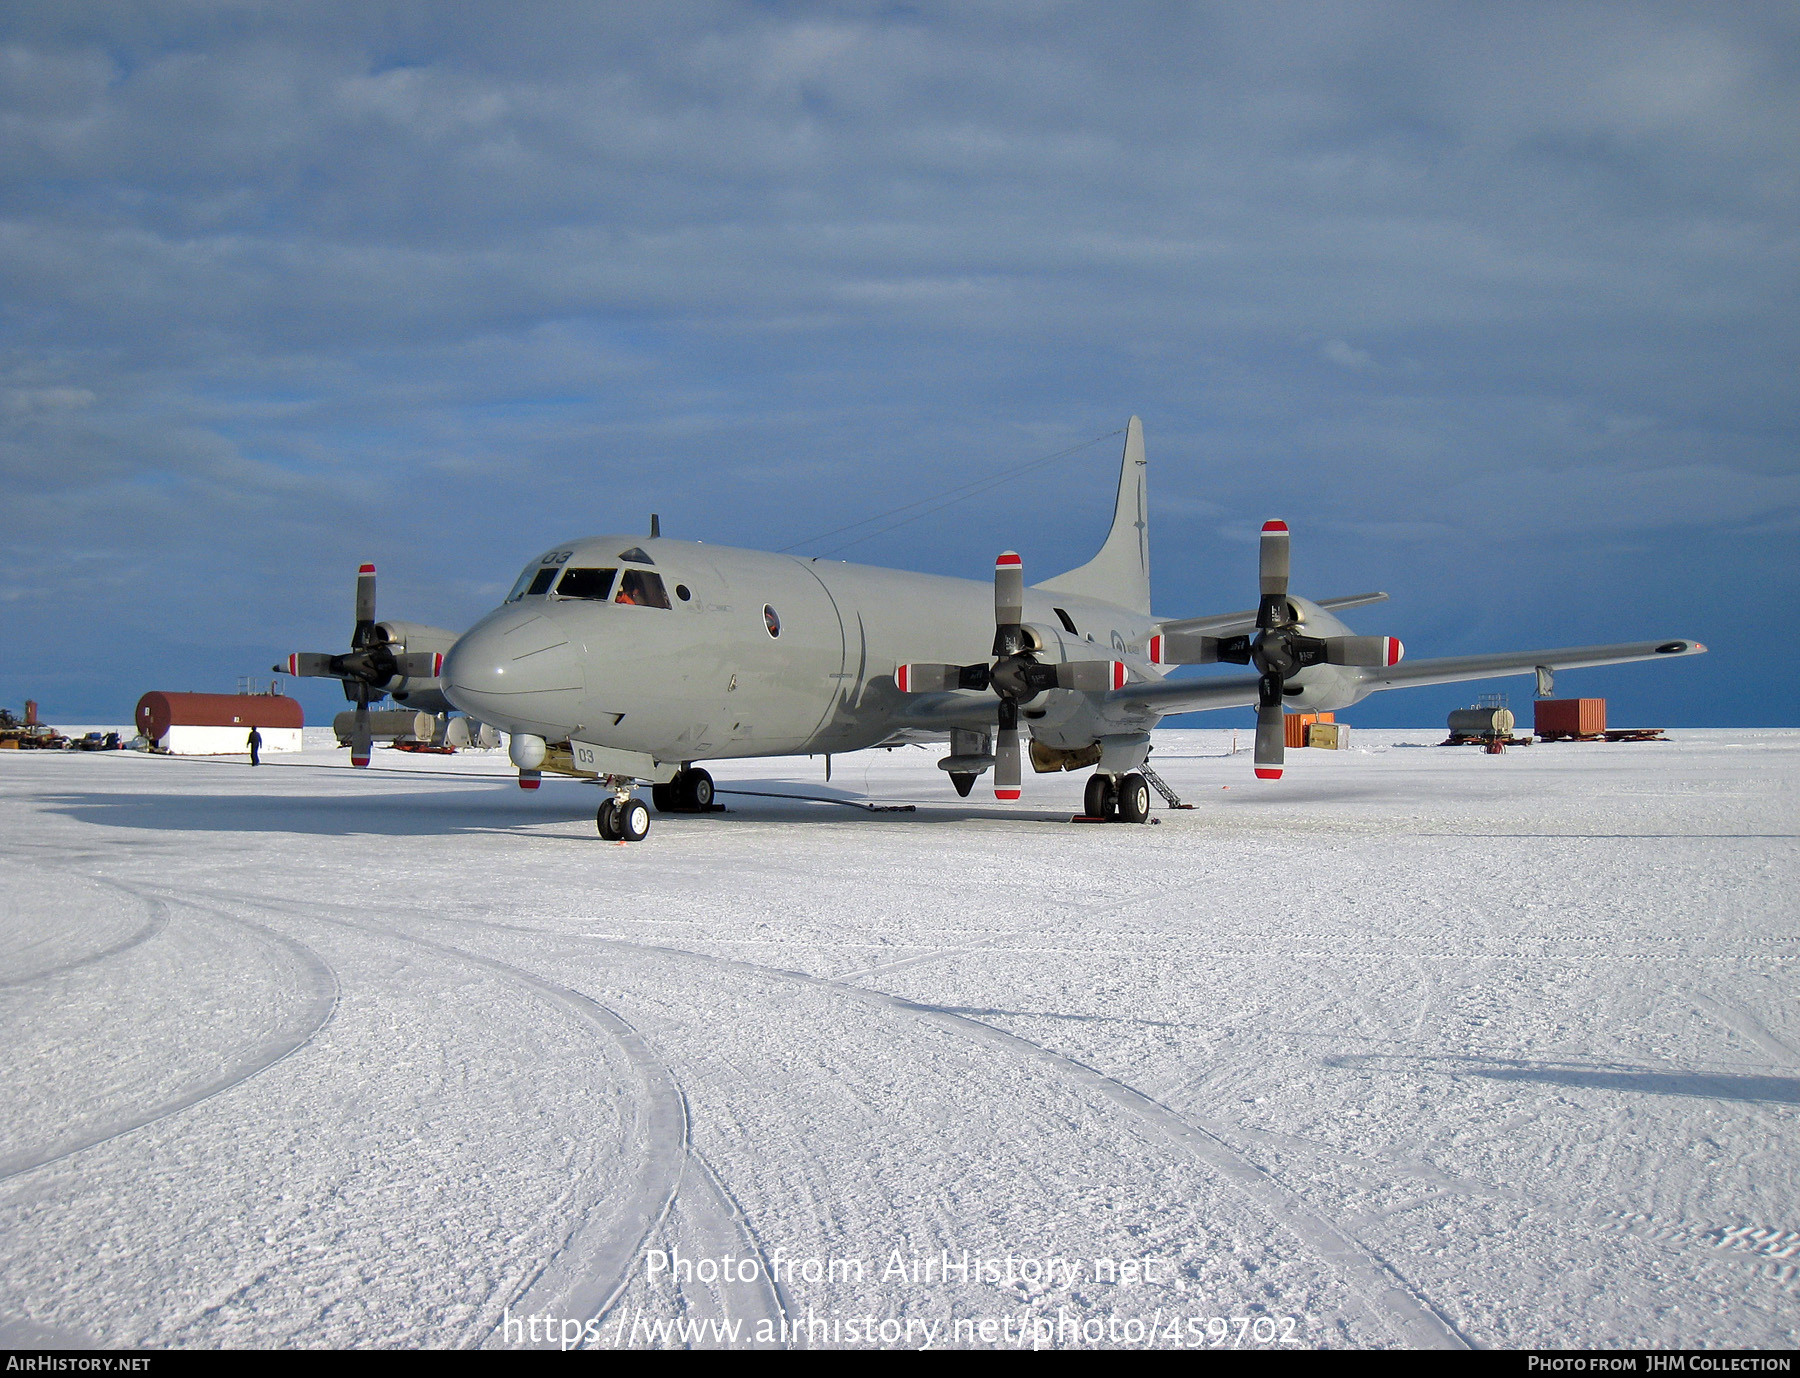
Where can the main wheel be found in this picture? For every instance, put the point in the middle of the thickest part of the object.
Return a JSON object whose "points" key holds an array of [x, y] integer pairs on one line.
{"points": [[666, 797], [696, 790], [1134, 798], [632, 820], [606, 818], [1101, 797], [963, 781]]}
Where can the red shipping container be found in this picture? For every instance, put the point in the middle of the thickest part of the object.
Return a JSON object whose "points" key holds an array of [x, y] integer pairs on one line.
{"points": [[1568, 717]]}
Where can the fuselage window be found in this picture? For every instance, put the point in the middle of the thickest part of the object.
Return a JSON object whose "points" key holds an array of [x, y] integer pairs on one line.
{"points": [[541, 581], [586, 583], [771, 621], [642, 588]]}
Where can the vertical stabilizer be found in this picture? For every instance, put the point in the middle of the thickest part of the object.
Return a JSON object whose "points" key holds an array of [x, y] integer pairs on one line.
{"points": [[1120, 573]]}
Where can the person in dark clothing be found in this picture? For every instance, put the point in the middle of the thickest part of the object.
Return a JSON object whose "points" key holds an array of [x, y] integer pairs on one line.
{"points": [[255, 742]]}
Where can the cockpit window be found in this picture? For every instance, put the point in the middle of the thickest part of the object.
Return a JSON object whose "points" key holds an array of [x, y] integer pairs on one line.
{"points": [[541, 581], [642, 588], [636, 554], [586, 583]]}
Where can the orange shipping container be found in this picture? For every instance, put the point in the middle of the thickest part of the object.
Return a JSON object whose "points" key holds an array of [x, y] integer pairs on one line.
{"points": [[1568, 717], [1296, 725]]}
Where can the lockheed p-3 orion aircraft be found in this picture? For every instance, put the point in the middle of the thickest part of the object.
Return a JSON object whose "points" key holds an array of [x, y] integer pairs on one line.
{"points": [[625, 659]]}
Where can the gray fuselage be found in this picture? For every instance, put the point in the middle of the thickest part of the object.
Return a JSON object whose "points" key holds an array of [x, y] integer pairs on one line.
{"points": [[766, 655]]}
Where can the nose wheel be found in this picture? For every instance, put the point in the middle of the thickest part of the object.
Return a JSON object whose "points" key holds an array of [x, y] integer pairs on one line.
{"points": [[623, 820]]}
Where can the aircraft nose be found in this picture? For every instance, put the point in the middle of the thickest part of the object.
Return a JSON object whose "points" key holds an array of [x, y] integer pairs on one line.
{"points": [[518, 670]]}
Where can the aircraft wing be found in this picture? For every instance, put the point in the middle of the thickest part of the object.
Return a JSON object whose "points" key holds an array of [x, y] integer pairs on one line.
{"points": [[1450, 669], [1187, 695], [1221, 622], [1239, 691]]}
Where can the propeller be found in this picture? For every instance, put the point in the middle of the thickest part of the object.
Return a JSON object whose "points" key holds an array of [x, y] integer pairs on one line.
{"points": [[1016, 675], [1279, 651], [373, 663]]}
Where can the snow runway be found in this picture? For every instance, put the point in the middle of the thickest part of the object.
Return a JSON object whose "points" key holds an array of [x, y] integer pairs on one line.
{"points": [[1417, 1047]]}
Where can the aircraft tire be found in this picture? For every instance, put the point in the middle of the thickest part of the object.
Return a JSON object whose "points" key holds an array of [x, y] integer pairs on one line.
{"points": [[667, 798], [606, 820], [1134, 798], [963, 781], [696, 788], [632, 819], [1101, 798]]}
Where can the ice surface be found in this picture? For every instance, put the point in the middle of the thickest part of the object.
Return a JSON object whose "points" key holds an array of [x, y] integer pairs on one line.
{"points": [[1417, 1046]]}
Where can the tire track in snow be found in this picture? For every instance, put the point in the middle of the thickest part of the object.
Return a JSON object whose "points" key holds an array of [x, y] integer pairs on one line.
{"points": [[591, 1267], [1390, 1299], [159, 920], [317, 1009]]}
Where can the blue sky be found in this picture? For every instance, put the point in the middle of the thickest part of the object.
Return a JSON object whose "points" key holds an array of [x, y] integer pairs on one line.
{"points": [[1494, 304]]}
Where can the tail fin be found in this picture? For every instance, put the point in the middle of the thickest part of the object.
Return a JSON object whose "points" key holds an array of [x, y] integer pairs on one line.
{"points": [[1120, 573]]}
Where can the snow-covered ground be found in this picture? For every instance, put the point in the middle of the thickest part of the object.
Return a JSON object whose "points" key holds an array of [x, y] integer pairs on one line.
{"points": [[1416, 1047]]}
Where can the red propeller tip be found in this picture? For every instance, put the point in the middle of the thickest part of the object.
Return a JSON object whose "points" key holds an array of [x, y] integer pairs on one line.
{"points": [[1007, 794], [1395, 650], [903, 677], [1156, 650], [1009, 558], [528, 784], [1119, 676], [366, 569], [1268, 772], [1274, 526], [359, 761]]}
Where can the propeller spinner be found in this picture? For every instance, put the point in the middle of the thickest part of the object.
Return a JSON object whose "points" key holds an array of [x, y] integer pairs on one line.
{"points": [[372, 664], [1016, 675]]}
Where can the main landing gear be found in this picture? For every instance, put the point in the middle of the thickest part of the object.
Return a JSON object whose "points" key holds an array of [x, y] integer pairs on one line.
{"points": [[691, 791], [1122, 799]]}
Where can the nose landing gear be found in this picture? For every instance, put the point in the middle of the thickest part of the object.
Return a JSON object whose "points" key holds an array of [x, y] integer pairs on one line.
{"points": [[623, 818]]}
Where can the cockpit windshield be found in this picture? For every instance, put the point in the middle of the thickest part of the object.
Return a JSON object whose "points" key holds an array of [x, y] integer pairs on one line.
{"points": [[536, 579], [586, 583], [642, 588]]}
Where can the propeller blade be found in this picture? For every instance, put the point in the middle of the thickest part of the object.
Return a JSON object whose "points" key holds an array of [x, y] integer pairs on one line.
{"points": [[1006, 752], [1009, 590], [927, 677], [1184, 648], [1272, 562], [1271, 741], [1091, 676], [1272, 568], [1006, 764], [1373, 651], [306, 664], [419, 664], [365, 595], [362, 740]]}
